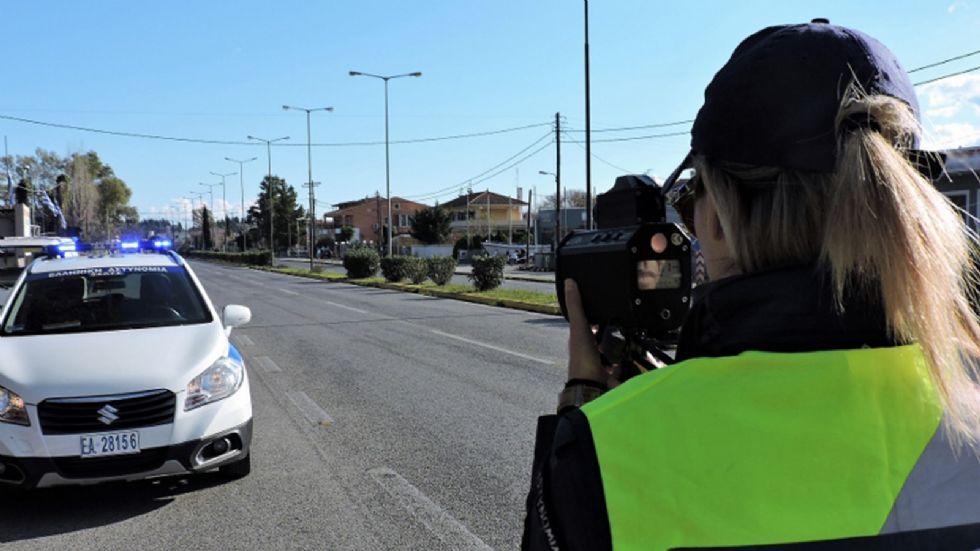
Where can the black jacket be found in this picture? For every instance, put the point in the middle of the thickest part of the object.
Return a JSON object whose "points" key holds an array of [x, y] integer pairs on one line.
{"points": [[783, 310]]}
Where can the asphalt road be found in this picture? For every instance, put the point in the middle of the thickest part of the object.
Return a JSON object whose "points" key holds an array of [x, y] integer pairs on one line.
{"points": [[383, 420], [546, 287]]}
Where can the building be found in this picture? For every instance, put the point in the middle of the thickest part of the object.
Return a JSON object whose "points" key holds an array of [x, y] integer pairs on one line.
{"points": [[961, 183], [572, 218], [485, 212], [368, 217]]}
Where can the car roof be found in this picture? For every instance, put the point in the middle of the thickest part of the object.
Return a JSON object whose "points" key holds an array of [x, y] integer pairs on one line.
{"points": [[45, 265]]}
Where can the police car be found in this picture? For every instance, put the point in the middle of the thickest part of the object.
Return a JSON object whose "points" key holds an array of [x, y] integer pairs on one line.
{"points": [[118, 367]]}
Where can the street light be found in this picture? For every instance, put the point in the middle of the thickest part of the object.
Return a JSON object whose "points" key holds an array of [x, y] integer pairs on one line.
{"points": [[200, 197], [557, 205], [309, 166], [387, 168], [224, 207], [268, 152], [241, 182]]}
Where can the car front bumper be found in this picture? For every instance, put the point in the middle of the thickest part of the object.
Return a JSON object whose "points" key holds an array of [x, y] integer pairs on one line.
{"points": [[187, 457]]}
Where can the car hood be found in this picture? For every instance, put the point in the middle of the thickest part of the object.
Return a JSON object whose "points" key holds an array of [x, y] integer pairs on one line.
{"points": [[108, 362]]}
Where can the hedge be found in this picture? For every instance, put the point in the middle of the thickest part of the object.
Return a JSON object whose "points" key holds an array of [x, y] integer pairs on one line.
{"points": [[361, 262], [440, 269], [488, 272], [251, 258]]}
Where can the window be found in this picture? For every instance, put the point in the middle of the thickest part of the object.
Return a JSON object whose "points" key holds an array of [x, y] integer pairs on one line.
{"points": [[397, 206], [403, 220], [960, 198], [348, 220]]}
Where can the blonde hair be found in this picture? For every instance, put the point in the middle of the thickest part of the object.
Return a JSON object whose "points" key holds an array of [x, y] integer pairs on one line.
{"points": [[881, 229]]}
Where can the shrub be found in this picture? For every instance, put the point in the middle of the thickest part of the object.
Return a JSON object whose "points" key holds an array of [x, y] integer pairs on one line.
{"points": [[394, 268], [488, 272], [361, 262], [440, 269], [416, 269]]}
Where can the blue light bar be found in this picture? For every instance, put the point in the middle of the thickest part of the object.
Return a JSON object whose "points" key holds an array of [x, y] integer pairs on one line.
{"points": [[66, 247], [129, 245], [162, 244]]}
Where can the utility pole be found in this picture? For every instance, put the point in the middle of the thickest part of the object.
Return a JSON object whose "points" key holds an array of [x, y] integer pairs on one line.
{"points": [[588, 130], [312, 223], [527, 251], [489, 220], [557, 180], [381, 228], [309, 166]]}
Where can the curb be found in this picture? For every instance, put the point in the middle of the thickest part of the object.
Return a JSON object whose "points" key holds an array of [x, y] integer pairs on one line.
{"points": [[553, 310]]}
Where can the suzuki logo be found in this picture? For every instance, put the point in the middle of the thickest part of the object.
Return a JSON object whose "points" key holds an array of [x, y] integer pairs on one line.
{"points": [[108, 414]]}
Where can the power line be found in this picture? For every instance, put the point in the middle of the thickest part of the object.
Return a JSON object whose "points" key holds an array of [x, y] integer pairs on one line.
{"points": [[633, 138], [943, 62], [956, 74], [600, 159], [641, 127], [248, 143], [448, 189]]}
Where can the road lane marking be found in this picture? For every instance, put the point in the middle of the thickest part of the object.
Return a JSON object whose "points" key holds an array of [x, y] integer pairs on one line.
{"points": [[267, 364], [287, 291], [351, 308], [492, 347], [244, 340], [310, 409], [426, 511]]}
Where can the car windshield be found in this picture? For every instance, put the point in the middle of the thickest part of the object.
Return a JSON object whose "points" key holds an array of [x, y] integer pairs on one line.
{"points": [[105, 299]]}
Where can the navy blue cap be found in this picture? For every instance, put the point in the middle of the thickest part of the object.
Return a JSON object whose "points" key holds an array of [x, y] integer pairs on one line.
{"points": [[775, 101]]}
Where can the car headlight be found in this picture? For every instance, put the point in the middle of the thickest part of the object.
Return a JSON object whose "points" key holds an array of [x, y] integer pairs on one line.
{"points": [[217, 382], [12, 409]]}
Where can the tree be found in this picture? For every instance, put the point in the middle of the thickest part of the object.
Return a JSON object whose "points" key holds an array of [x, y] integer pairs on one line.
{"points": [[346, 234], [572, 198], [206, 223], [285, 211], [431, 225]]}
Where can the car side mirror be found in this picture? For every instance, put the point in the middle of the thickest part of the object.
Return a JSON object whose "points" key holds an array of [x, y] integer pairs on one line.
{"points": [[235, 316]]}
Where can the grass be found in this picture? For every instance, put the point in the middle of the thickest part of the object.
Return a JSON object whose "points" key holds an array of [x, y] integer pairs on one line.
{"points": [[538, 301]]}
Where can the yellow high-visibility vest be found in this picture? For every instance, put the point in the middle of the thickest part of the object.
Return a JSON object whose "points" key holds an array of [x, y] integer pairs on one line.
{"points": [[762, 448]]}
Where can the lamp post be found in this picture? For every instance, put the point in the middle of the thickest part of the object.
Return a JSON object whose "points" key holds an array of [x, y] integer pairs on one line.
{"points": [[268, 152], [557, 205], [387, 158], [309, 165], [241, 182], [200, 197], [224, 207]]}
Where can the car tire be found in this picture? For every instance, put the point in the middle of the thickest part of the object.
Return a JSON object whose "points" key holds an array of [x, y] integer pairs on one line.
{"points": [[238, 469]]}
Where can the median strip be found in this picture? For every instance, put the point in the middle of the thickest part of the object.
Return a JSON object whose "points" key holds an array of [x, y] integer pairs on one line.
{"points": [[518, 299]]}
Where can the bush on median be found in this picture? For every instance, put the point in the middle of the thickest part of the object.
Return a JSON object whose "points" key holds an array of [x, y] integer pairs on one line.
{"points": [[394, 268], [251, 258], [488, 272], [416, 269], [440, 269], [361, 262]]}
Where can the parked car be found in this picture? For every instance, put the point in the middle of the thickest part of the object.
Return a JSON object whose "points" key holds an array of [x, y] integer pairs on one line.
{"points": [[119, 368]]}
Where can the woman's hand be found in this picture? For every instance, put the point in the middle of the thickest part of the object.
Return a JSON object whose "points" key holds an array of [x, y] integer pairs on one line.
{"points": [[584, 361]]}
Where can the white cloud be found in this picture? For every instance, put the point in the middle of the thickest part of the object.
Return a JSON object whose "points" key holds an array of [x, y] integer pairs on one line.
{"points": [[952, 135], [957, 6]]}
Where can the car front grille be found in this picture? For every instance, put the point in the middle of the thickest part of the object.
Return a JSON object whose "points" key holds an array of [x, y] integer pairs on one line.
{"points": [[118, 465], [106, 413]]}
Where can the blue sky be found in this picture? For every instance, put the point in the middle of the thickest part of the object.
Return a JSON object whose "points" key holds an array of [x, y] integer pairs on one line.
{"points": [[222, 71]]}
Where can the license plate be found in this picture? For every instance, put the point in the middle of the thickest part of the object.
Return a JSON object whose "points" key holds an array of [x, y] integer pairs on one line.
{"points": [[110, 443]]}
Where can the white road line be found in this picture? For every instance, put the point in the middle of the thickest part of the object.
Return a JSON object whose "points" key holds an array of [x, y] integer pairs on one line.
{"points": [[492, 347], [287, 291], [244, 340], [351, 308], [267, 364], [313, 412], [426, 511]]}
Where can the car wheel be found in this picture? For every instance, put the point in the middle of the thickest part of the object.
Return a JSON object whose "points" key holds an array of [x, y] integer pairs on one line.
{"points": [[238, 469]]}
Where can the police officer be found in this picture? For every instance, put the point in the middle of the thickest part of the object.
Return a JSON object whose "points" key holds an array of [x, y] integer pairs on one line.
{"points": [[825, 389]]}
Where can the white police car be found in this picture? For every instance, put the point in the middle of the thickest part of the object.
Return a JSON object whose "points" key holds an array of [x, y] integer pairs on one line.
{"points": [[118, 368]]}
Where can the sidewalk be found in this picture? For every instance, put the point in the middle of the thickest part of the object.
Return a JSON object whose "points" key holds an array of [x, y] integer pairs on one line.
{"points": [[510, 272]]}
